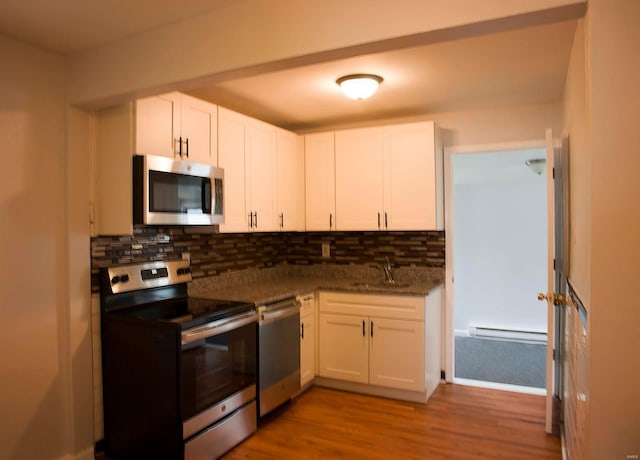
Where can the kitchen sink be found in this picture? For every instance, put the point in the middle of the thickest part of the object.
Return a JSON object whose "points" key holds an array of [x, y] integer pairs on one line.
{"points": [[379, 284]]}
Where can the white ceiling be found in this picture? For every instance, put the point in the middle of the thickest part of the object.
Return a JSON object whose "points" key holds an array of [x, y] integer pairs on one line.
{"points": [[69, 26], [517, 67]]}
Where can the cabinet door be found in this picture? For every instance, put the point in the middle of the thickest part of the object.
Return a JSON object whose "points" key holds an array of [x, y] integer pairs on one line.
{"points": [[261, 176], [113, 187], [200, 129], [290, 181], [158, 125], [359, 179], [397, 354], [319, 174], [413, 177], [232, 136], [344, 347], [307, 340]]}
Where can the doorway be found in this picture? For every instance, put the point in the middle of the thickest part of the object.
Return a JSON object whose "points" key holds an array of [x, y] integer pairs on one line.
{"points": [[497, 258]]}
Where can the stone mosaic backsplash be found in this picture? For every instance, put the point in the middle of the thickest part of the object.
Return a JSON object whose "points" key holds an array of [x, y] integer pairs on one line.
{"points": [[215, 253]]}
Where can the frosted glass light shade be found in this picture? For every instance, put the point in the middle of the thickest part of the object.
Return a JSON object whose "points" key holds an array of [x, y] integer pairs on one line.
{"points": [[359, 86], [537, 165]]}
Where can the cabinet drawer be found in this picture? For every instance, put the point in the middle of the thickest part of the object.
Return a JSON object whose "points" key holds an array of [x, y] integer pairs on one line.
{"points": [[382, 306]]}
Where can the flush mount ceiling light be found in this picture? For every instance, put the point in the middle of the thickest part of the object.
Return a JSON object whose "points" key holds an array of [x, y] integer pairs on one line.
{"points": [[359, 86], [537, 165]]}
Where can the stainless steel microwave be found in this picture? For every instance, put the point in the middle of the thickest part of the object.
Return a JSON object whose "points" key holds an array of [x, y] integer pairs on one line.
{"points": [[176, 192]]}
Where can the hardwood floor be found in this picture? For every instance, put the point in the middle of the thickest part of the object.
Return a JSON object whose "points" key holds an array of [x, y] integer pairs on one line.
{"points": [[459, 422]]}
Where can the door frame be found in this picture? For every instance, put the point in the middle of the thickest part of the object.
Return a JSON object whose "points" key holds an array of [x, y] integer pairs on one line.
{"points": [[448, 355]]}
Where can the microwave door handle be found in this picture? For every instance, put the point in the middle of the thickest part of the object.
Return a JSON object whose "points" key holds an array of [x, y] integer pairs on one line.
{"points": [[207, 206]]}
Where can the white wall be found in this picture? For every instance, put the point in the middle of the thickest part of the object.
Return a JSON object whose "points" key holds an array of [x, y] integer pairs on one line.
{"points": [[500, 247], [34, 343], [613, 38]]}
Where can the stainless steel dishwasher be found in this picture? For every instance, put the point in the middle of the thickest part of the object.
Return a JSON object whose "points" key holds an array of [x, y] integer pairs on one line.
{"points": [[278, 353]]}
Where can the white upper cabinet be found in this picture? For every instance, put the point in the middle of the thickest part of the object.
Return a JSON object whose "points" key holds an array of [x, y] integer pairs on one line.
{"points": [[319, 174], [232, 137], [200, 130], [158, 125], [389, 178], [260, 176], [359, 179], [413, 175], [247, 153], [177, 126], [290, 180]]}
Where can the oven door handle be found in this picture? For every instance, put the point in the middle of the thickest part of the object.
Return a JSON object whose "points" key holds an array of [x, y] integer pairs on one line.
{"points": [[218, 327], [269, 315]]}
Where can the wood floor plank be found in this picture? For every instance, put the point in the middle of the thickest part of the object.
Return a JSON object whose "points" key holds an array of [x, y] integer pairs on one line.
{"points": [[459, 422]]}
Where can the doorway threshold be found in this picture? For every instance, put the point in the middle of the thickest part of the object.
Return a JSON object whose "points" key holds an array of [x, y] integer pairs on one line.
{"points": [[501, 386]]}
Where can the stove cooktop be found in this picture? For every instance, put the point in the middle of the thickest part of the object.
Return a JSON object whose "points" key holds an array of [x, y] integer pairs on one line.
{"points": [[189, 312]]}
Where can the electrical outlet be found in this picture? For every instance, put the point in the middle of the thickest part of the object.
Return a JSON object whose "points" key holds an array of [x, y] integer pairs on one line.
{"points": [[186, 256], [326, 250]]}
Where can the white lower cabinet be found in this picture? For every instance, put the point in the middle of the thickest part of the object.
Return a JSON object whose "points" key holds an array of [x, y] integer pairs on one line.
{"points": [[307, 339], [378, 340], [396, 353], [344, 347]]}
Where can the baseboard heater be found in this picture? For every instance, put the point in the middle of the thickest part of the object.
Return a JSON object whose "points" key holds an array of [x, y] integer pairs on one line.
{"points": [[513, 335]]}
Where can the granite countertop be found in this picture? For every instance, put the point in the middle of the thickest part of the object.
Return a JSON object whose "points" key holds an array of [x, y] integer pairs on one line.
{"points": [[276, 283]]}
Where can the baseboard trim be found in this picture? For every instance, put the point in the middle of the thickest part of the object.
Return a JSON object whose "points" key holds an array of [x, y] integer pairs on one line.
{"points": [[563, 443], [500, 386], [86, 454], [372, 390]]}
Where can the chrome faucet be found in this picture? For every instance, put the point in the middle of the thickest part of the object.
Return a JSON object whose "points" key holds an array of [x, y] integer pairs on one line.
{"points": [[388, 274]]}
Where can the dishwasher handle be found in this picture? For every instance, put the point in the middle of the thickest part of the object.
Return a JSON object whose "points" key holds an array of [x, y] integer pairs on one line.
{"points": [[277, 311]]}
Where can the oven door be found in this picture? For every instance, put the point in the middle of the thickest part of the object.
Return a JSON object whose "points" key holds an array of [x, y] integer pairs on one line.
{"points": [[219, 369]]}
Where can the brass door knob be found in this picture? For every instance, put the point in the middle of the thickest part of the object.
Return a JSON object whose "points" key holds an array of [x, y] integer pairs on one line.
{"points": [[557, 299]]}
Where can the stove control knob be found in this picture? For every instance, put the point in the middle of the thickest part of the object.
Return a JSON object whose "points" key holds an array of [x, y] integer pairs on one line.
{"points": [[119, 279]]}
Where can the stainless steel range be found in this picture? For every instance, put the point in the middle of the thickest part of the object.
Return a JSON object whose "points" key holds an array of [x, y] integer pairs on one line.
{"points": [[179, 373]]}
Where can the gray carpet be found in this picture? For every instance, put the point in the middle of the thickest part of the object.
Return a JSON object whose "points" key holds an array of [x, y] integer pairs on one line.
{"points": [[501, 361]]}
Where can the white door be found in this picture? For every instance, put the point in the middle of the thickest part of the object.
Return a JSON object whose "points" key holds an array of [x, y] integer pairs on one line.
{"points": [[557, 268]]}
